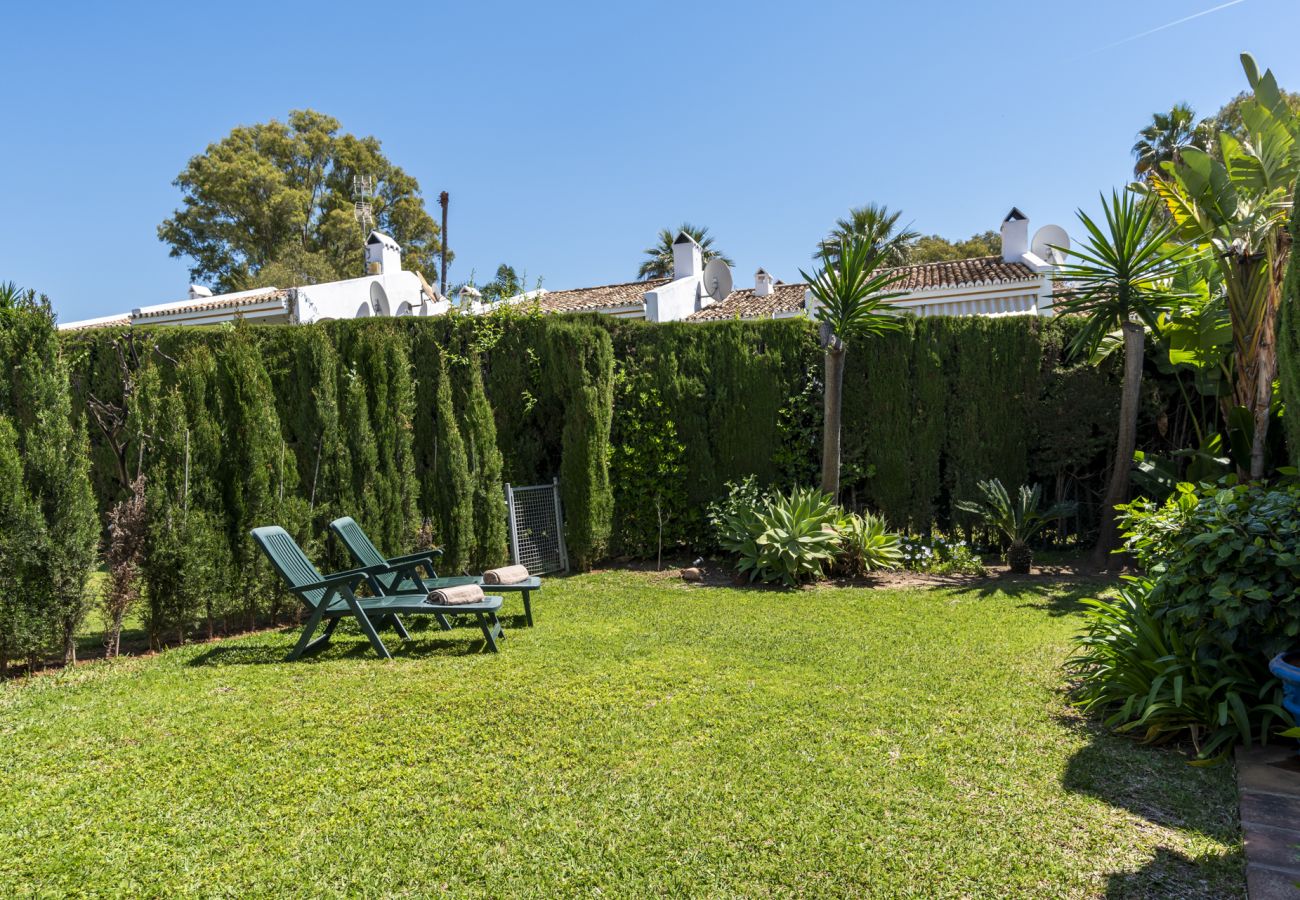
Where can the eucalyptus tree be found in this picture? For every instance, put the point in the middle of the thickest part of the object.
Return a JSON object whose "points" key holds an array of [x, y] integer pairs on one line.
{"points": [[850, 299], [1118, 279], [1236, 207], [659, 257], [1165, 139], [873, 225]]}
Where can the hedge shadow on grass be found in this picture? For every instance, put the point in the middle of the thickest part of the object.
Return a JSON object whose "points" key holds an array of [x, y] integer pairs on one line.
{"points": [[1053, 594], [1171, 874]]}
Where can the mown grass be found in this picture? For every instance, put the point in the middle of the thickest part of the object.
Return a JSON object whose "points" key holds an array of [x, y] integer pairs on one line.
{"points": [[646, 738]]}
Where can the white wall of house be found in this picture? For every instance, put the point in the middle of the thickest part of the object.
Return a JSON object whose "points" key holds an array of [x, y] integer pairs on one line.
{"points": [[390, 294]]}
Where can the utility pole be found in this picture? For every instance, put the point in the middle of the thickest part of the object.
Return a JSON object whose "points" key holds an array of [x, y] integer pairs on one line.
{"points": [[443, 199]]}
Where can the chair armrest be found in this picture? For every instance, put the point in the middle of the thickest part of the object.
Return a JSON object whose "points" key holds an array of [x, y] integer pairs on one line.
{"points": [[422, 556], [337, 578]]}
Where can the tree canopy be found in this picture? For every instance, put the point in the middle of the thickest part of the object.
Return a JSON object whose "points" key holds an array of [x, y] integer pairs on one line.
{"points": [[659, 258], [276, 200], [933, 248]]}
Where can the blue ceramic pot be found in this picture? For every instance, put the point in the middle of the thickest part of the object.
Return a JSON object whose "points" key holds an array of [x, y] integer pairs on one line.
{"points": [[1289, 671]]}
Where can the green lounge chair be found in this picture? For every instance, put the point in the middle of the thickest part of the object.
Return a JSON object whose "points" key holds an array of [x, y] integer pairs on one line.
{"points": [[404, 570], [333, 597]]}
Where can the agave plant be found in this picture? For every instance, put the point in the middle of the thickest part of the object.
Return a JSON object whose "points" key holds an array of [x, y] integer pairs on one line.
{"points": [[1017, 521], [867, 544], [784, 539]]}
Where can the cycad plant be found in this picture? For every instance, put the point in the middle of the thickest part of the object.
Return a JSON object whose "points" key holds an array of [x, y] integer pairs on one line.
{"points": [[1017, 519]]}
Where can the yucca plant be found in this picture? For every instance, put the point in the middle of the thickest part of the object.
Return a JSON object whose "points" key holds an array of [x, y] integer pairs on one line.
{"points": [[787, 539], [867, 544], [1016, 520]]}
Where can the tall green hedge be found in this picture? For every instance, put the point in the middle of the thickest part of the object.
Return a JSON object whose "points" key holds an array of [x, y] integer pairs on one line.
{"points": [[44, 461], [399, 421]]}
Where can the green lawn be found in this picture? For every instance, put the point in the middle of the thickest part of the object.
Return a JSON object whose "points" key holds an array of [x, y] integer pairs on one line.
{"points": [[647, 738]]}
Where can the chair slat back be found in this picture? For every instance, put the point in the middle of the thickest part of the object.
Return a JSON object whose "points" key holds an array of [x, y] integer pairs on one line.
{"points": [[357, 542], [289, 561]]}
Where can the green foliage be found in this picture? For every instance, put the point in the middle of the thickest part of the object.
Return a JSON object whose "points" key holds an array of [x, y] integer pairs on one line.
{"points": [[23, 633], [940, 555], [276, 199], [491, 545], [1149, 674], [786, 538], [866, 544], [873, 226], [1185, 649], [1224, 559], [659, 257], [647, 468], [51, 444], [933, 248], [447, 488], [1017, 519]]}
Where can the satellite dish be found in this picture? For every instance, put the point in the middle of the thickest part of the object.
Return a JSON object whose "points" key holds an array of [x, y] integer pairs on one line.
{"points": [[717, 279], [1046, 239]]}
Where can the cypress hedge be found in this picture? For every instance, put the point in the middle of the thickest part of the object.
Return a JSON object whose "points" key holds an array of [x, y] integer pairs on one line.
{"points": [[399, 421], [50, 503], [1288, 341]]}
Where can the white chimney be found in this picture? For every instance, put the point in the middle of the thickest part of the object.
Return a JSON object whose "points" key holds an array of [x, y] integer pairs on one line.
{"points": [[198, 292], [687, 257], [1015, 236], [762, 283], [384, 252]]}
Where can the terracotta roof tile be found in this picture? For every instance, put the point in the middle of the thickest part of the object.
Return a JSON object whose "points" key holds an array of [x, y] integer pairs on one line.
{"points": [[608, 296], [744, 304], [213, 303], [962, 273]]}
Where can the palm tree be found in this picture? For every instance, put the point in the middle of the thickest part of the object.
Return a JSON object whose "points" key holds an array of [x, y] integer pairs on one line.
{"points": [[849, 300], [873, 225], [659, 261], [1165, 139], [1236, 207], [1117, 280]]}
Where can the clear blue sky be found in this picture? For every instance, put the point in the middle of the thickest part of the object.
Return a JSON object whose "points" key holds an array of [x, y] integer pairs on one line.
{"points": [[568, 134]]}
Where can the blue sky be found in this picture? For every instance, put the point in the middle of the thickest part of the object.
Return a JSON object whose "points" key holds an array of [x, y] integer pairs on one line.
{"points": [[568, 134]]}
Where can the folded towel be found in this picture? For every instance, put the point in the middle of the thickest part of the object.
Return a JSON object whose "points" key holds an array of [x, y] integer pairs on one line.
{"points": [[454, 596], [505, 575]]}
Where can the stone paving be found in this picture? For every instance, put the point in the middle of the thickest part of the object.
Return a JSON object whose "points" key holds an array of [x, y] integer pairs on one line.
{"points": [[1268, 781]]}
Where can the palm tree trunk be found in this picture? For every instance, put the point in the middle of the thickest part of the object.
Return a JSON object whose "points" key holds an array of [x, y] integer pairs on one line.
{"points": [[833, 395], [1265, 372], [1125, 444]]}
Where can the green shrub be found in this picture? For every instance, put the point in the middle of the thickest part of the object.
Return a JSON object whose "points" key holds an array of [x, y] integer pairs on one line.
{"points": [[1151, 675], [866, 544], [1185, 650], [1225, 559], [491, 545], [787, 539], [647, 469]]}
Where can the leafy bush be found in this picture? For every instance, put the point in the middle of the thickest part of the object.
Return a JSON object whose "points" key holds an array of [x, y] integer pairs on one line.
{"points": [[724, 515], [787, 539], [1225, 559], [1147, 673], [866, 544], [1185, 650], [940, 555]]}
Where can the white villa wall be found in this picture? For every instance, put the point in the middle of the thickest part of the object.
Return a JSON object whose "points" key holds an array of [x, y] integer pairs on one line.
{"points": [[398, 293]]}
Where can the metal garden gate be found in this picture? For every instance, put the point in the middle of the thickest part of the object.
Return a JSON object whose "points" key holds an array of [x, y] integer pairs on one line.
{"points": [[537, 527]]}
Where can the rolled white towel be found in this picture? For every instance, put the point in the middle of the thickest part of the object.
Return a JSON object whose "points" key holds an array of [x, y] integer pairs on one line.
{"points": [[454, 596], [506, 575]]}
